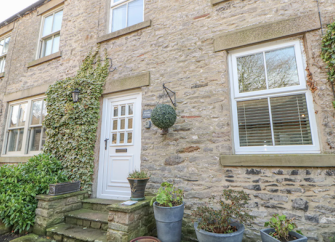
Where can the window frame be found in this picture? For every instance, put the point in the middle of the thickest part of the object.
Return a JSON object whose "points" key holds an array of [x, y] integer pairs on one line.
{"points": [[276, 92], [26, 128], [41, 38], [4, 56], [116, 5]]}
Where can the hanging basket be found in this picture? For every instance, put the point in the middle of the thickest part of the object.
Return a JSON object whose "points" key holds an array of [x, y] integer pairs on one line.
{"points": [[163, 116]]}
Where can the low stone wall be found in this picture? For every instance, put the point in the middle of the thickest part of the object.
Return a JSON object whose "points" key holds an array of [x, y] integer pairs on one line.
{"points": [[51, 209], [128, 222]]}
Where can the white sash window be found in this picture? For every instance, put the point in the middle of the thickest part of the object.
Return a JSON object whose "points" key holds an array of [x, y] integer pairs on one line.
{"points": [[125, 13], [4, 43], [272, 106]]}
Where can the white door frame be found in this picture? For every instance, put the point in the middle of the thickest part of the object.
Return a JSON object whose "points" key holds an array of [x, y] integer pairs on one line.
{"points": [[103, 156]]}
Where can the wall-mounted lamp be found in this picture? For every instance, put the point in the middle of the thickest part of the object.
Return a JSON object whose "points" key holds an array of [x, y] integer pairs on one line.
{"points": [[75, 95]]}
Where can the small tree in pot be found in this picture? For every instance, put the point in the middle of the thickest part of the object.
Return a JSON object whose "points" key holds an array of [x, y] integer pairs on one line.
{"points": [[169, 211], [226, 223], [281, 230], [138, 181]]}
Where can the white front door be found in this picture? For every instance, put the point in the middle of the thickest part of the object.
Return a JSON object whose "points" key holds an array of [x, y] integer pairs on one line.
{"points": [[120, 145]]}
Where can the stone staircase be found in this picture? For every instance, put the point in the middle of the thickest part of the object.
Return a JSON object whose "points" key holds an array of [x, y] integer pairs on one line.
{"points": [[89, 224]]}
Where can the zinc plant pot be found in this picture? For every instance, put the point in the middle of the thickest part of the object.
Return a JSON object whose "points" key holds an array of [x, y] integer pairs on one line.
{"points": [[168, 222], [268, 238], [137, 187], [204, 236]]}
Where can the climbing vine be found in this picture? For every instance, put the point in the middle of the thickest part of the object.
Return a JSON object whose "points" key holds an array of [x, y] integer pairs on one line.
{"points": [[71, 127], [328, 54]]}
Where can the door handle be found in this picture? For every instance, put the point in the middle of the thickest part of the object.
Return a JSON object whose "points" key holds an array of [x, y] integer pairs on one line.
{"points": [[106, 143]]}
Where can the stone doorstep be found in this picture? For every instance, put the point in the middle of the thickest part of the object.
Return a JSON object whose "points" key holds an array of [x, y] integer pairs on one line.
{"points": [[79, 233], [98, 204], [87, 214]]}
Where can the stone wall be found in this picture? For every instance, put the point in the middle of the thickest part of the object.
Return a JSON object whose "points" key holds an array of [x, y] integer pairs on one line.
{"points": [[126, 223], [51, 209]]}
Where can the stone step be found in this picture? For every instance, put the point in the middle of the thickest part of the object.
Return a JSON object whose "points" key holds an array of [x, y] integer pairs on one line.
{"points": [[99, 204], [73, 233], [88, 218]]}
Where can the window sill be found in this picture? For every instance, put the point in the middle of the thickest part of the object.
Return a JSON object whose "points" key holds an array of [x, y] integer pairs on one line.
{"points": [[14, 159], [2, 74], [214, 2], [306, 160], [124, 31], [45, 59]]}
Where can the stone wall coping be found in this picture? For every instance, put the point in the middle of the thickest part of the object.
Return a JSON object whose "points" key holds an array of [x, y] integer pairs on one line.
{"points": [[289, 160], [127, 83], [124, 31], [30, 92], [48, 6], [53, 198], [129, 209], [2, 74], [7, 28], [213, 2], [44, 59], [269, 31]]}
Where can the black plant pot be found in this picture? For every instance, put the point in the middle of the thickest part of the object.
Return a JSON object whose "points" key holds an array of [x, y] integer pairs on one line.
{"points": [[137, 187], [268, 238]]}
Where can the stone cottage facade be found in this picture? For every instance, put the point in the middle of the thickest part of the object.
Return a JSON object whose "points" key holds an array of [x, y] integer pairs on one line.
{"points": [[253, 101]]}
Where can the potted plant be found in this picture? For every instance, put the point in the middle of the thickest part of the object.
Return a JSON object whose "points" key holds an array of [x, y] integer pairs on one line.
{"points": [[163, 116], [223, 224], [169, 211], [281, 230], [138, 181]]}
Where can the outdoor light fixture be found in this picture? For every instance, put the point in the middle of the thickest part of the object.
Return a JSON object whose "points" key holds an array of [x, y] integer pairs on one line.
{"points": [[75, 95]]}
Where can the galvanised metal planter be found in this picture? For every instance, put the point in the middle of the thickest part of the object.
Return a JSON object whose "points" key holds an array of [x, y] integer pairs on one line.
{"points": [[204, 236], [268, 238], [137, 187], [168, 222]]}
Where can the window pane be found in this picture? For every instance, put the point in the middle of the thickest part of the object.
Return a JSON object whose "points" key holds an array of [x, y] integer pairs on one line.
{"points": [[47, 47], [123, 110], [2, 43], [251, 73], [44, 137], [57, 21], [122, 123], [130, 110], [135, 12], [119, 18], [44, 110], [290, 120], [130, 138], [47, 25], [19, 144], [130, 123], [282, 68], [2, 64], [12, 140], [115, 1], [5, 49], [114, 138], [254, 123], [55, 46], [35, 139], [36, 112], [114, 124], [14, 116], [23, 114], [116, 110], [121, 138]]}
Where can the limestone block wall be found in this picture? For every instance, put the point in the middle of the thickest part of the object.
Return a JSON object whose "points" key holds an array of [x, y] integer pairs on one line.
{"points": [[126, 223], [51, 209]]}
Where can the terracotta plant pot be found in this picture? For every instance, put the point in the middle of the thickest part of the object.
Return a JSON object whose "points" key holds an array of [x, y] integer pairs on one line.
{"points": [[137, 187], [145, 239]]}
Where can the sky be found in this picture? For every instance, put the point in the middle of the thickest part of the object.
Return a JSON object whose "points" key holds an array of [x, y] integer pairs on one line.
{"points": [[10, 7]]}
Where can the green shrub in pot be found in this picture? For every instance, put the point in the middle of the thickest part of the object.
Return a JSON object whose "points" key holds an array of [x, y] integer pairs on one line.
{"points": [[225, 223], [138, 181]]}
